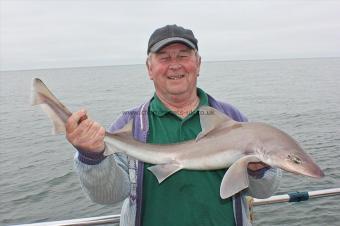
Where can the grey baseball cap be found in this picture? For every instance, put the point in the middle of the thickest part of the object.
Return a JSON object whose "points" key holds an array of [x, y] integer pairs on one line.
{"points": [[171, 34]]}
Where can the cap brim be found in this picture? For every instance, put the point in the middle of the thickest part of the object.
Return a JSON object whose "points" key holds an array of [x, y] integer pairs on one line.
{"points": [[159, 45]]}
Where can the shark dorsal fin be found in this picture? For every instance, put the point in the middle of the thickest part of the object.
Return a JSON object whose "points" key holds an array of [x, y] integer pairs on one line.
{"points": [[210, 119]]}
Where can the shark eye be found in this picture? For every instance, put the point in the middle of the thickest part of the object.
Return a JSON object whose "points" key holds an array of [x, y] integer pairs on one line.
{"points": [[294, 159]]}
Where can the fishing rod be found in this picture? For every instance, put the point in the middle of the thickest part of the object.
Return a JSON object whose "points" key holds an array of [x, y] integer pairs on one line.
{"points": [[290, 197]]}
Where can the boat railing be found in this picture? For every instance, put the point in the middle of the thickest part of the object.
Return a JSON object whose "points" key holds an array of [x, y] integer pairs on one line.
{"points": [[102, 220], [114, 219]]}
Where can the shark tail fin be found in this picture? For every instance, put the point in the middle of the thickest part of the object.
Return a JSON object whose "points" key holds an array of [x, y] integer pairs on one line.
{"points": [[164, 171], [55, 110], [236, 177]]}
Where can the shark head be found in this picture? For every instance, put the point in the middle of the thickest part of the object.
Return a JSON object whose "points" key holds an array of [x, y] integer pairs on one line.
{"points": [[283, 151], [298, 162]]}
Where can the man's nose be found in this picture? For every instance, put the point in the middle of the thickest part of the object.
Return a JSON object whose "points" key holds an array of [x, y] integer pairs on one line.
{"points": [[174, 66]]}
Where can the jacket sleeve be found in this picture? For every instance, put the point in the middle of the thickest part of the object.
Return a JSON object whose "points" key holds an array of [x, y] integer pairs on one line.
{"points": [[105, 181], [263, 183]]}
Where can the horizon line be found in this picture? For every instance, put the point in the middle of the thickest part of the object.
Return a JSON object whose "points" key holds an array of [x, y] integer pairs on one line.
{"points": [[133, 64]]}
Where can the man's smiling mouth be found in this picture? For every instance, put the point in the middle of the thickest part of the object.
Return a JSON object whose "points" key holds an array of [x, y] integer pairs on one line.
{"points": [[175, 77]]}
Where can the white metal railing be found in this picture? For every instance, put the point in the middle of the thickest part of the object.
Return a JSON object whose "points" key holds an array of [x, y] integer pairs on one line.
{"points": [[111, 219], [297, 196]]}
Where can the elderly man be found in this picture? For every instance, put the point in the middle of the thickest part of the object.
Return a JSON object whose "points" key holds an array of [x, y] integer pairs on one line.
{"points": [[188, 197]]}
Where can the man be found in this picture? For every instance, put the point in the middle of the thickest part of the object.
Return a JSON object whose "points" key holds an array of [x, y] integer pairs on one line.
{"points": [[188, 197]]}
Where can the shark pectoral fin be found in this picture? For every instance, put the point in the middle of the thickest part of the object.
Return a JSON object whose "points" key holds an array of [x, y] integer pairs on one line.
{"points": [[236, 177], [210, 119], [163, 171]]}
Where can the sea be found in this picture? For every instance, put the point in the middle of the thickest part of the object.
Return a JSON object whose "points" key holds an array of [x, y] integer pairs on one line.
{"points": [[38, 182]]}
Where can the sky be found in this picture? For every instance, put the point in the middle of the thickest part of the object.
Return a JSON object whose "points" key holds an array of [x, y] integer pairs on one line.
{"points": [[37, 34]]}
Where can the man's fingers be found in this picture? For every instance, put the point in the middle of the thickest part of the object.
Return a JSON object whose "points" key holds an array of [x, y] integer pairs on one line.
{"points": [[82, 118], [102, 132], [92, 133], [84, 126], [74, 120], [99, 144], [87, 131], [89, 135]]}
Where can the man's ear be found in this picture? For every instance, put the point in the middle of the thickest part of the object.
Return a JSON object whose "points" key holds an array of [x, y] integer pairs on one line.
{"points": [[198, 65], [149, 68]]}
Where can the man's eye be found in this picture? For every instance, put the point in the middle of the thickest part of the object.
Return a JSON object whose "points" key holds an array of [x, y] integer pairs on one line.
{"points": [[165, 58]]}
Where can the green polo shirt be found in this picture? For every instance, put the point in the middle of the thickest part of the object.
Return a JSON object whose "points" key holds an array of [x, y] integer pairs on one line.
{"points": [[188, 197]]}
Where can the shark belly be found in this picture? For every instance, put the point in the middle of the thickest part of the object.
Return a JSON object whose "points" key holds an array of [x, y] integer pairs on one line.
{"points": [[211, 161]]}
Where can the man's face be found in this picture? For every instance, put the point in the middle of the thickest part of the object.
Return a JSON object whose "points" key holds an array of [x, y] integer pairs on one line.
{"points": [[174, 70]]}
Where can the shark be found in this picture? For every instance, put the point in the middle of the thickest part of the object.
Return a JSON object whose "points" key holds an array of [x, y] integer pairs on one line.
{"points": [[222, 144]]}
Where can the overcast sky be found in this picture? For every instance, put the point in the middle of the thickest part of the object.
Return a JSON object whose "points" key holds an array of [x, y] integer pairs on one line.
{"points": [[47, 34]]}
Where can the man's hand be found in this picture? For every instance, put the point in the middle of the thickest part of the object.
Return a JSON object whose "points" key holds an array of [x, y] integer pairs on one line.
{"points": [[85, 133], [254, 166]]}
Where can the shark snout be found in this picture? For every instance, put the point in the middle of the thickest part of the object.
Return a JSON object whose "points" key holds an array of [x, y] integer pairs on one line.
{"points": [[315, 172]]}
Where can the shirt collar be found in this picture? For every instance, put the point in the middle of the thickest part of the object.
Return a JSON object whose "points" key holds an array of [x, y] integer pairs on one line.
{"points": [[157, 107]]}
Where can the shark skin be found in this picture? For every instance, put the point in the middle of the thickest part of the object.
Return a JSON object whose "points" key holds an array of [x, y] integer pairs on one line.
{"points": [[223, 143]]}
